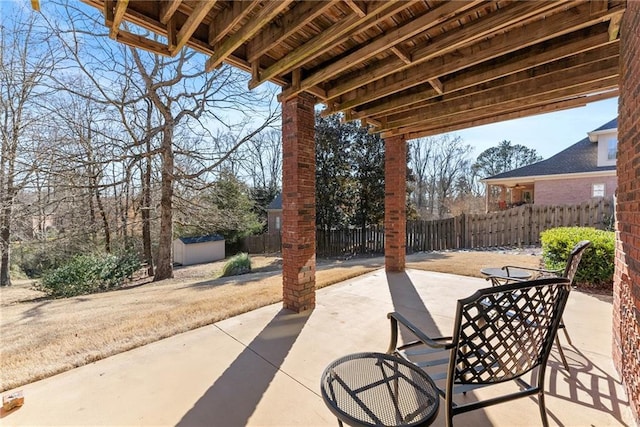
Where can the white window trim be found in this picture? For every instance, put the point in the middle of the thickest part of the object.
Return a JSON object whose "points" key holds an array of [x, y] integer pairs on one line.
{"points": [[593, 190]]}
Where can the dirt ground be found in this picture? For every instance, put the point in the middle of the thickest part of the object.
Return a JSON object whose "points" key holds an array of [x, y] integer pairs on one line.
{"points": [[41, 337]]}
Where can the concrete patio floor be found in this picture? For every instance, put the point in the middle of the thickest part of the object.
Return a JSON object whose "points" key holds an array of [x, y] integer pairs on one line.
{"points": [[263, 368]]}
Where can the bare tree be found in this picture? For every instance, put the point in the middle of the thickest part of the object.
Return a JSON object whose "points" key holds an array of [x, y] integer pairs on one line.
{"points": [[26, 60]]}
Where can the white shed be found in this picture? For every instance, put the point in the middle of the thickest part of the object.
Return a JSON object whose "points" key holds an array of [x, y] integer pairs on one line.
{"points": [[197, 250]]}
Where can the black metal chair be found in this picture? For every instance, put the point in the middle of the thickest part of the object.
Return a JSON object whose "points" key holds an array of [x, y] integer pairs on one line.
{"points": [[569, 272], [500, 334]]}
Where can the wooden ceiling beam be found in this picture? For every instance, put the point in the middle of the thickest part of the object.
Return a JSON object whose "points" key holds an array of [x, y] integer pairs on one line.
{"points": [[358, 9], [299, 16], [385, 79], [118, 16], [548, 85], [167, 9], [491, 117], [263, 17], [614, 26], [470, 81], [441, 14], [228, 18], [446, 43], [136, 40], [328, 38], [191, 24]]}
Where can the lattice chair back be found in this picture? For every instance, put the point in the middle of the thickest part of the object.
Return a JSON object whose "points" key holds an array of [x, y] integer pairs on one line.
{"points": [[501, 333], [574, 259]]}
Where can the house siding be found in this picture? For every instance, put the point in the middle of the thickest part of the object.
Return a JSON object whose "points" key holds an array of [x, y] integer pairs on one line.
{"points": [[571, 190]]}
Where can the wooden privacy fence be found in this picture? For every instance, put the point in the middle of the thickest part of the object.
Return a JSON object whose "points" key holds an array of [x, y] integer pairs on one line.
{"points": [[519, 226]]}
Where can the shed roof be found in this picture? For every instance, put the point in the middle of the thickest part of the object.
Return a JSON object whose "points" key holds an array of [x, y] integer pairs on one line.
{"points": [[276, 203], [578, 158], [201, 239], [405, 67]]}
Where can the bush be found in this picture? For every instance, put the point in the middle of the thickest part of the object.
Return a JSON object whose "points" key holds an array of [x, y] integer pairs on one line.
{"points": [[238, 264], [86, 274], [596, 266]]}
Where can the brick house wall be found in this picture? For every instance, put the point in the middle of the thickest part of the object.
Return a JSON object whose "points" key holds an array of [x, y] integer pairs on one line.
{"points": [[571, 190], [626, 288]]}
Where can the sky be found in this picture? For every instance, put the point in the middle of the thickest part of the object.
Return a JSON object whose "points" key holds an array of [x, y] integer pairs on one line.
{"points": [[548, 133]]}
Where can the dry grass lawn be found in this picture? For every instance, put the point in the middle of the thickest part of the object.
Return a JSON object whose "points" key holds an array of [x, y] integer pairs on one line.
{"points": [[42, 337]]}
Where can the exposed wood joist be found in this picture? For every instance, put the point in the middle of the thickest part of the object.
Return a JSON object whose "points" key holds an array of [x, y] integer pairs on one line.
{"points": [[191, 24], [326, 39], [229, 18], [228, 46], [118, 16], [516, 104], [408, 68], [547, 87], [357, 8], [446, 43], [136, 40], [299, 16], [489, 118], [167, 9], [416, 26], [553, 26], [504, 75]]}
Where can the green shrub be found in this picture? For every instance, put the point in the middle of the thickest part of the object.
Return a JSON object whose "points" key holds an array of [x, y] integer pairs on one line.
{"points": [[86, 274], [596, 266], [238, 264]]}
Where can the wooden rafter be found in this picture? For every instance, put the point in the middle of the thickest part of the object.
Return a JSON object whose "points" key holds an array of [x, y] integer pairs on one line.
{"points": [[167, 9], [406, 67], [520, 70], [200, 10], [553, 26], [538, 87], [414, 27], [229, 18], [263, 17], [118, 16], [448, 43], [490, 117], [299, 16], [325, 40], [357, 8]]}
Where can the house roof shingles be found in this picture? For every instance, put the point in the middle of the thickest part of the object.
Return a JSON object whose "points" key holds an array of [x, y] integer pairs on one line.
{"points": [[276, 203], [578, 158]]}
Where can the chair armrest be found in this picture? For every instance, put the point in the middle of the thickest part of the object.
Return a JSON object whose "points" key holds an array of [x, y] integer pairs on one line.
{"points": [[539, 270], [396, 318]]}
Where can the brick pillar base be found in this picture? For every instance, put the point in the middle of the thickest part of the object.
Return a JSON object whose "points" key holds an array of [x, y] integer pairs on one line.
{"points": [[395, 204], [298, 203], [626, 282]]}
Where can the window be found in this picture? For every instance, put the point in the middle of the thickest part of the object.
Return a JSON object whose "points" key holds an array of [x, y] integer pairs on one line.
{"points": [[598, 190], [612, 149], [278, 222]]}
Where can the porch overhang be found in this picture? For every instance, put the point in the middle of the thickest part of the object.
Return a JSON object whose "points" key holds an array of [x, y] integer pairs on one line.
{"points": [[410, 67]]}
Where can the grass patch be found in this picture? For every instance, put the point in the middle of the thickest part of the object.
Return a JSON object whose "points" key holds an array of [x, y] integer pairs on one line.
{"points": [[237, 265]]}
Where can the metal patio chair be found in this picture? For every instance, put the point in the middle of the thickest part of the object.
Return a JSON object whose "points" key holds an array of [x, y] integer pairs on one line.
{"points": [[569, 272], [500, 334]]}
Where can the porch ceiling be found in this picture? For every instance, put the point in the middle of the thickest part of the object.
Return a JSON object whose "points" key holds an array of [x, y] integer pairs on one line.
{"points": [[409, 67]]}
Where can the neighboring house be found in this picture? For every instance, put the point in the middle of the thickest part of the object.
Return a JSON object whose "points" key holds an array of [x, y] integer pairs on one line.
{"points": [[197, 250], [582, 172], [274, 215]]}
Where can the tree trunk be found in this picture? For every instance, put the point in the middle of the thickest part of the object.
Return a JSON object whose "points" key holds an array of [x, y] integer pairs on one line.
{"points": [[146, 214], [164, 269], [5, 239]]}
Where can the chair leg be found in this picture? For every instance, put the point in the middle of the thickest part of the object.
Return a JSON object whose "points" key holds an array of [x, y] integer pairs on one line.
{"points": [[543, 409], [564, 359], [566, 334]]}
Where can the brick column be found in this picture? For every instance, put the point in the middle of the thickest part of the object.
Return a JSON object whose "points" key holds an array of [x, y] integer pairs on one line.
{"points": [[395, 204], [626, 282], [298, 203]]}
